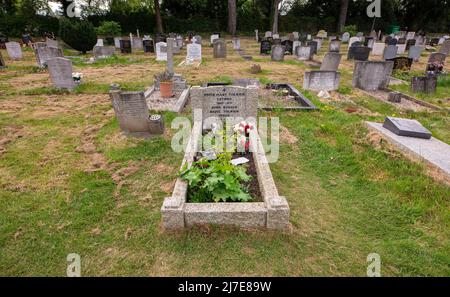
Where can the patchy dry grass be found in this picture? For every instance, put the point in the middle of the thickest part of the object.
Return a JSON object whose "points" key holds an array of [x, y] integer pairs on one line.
{"points": [[71, 182]]}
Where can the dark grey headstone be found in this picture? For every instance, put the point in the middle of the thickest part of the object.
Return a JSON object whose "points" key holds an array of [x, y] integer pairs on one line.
{"points": [[266, 47], [406, 127], [415, 52], [314, 45], [445, 48], [424, 84], [395, 97], [125, 46], [331, 62], [390, 52], [148, 46], [359, 53]]}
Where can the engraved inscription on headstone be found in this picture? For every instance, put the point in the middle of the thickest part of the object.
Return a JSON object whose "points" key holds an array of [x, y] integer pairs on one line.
{"points": [[372, 75], [406, 127]]}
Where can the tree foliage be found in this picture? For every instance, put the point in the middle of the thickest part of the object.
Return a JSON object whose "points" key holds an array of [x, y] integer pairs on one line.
{"points": [[78, 34]]}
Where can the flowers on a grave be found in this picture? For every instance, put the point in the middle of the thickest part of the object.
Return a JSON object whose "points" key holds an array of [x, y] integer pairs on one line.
{"points": [[435, 67], [242, 131], [77, 76]]}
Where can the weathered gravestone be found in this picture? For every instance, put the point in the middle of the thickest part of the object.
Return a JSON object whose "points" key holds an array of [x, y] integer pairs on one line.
{"points": [[44, 53], [401, 49], [372, 75], [125, 46], [445, 48], [392, 41], [14, 50], [395, 97], [352, 41], [410, 35], [51, 42], [268, 34], [117, 42], [101, 52], [170, 48], [345, 37], [276, 41], [434, 60], [213, 38], [304, 53], [197, 39], [148, 46], [314, 46], [295, 44], [359, 53], [161, 51], [137, 43], [61, 73], [236, 43], [402, 40], [369, 41], [99, 42], [434, 41], [2, 62], [409, 43], [276, 36], [220, 49], [319, 44], [225, 102], [402, 63], [331, 62], [266, 47], [321, 80], [194, 53], [131, 112], [277, 53], [335, 46], [415, 52], [390, 52], [424, 84], [288, 46], [378, 48], [406, 127]]}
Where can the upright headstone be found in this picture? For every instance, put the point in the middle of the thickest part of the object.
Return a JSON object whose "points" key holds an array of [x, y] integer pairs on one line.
{"points": [[288, 46], [197, 39], [276, 36], [170, 47], [295, 44], [331, 62], [137, 43], [101, 52], [345, 37], [436, 62], [14, 50], [117, 42], [352, 41], [321, 80], [125, 46], [236, 43], [220, 49], [257, 35], [304, 53], [401, 49], [148, 46], [378, 48], [372, 75], [213, 38], [390, 52], [402, 63], [359, 53], [265, 47], [393, 41], [424, 84], [194, 53], [415, 52], [161, 51], [409, 43], [61, 73], [44, 53], [2, 62], [335, 46], [277, 53], [314, 46], [445, 48], [296, 35], [51, 42], [410, 35], [268, 34]]}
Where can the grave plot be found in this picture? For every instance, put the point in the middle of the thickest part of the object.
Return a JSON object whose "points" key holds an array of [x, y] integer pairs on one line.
{"points": [[246, 204], [283, 96]]}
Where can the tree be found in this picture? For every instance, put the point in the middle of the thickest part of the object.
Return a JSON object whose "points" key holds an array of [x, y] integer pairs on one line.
{"points": [[159, 26], [78, 34], [276, 4], [232, 17], [342, 15]]}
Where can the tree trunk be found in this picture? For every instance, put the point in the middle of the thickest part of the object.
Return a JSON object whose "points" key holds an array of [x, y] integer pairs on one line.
{"points": [[159, 25], [232, 17], [342, 16], [276, 3]]}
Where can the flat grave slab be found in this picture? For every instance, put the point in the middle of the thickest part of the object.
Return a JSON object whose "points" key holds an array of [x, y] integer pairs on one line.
{"points": [[406, 127], [283, 96], [434, 152], [175, 103]]}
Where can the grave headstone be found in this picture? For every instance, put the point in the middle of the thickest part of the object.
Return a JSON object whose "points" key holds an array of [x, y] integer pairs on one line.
{"points": [[387, 39], [161, 51], [101, 52], [304, 53], [296, 35], [406, 127], [322, 34], [402, 40], [14, 50], [436, 63], [277, 53], [401, 49], [266, 47], [314, 46], [125, 46], [393, 41], [137, 43], [194, 53], [213, 38], [51, 42], [395, 97], [179, 41], [434, 41], [236, 43], [148, 46], [276, 41], [60, 70], [352, 41], [276, 36], [378, 48], [257, 35], [335, 46], [170, 47], [268, 34], [43, 53], [295, 44], [288, 46], [220, 102], [445, 48], [220, 49], [402, 63], [415, 52], [117, 42], [2, 62], [424, 84], [372, 75], [331, 62], [410, 35], [321, 80], [390, 52], [359, 53], [345, 37], [409, 43], [197, 39]]}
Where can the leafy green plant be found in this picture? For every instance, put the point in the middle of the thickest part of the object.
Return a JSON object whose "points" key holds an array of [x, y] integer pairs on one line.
{"points": [[216, 180], [352, 29], [78, 34], [164, 76], [109, 28]]}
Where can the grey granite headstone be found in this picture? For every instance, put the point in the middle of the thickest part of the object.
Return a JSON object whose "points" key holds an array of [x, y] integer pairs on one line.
{"points": [[304, 53], [390, 52], [445, 48], [331, 62], [295, 44], [353, 40], [44, 53], [101, 52], [131, 112], [2, 62], [61, 73], [335, 46], [236, 43], [170, 46], [268, 34], [197, 39], [372, 75], [14, 50], [225, 102], [378, 48], [424, 84], [277, 53], [406, 127], [321, 80], [137, 43], [415, 52], [359, 53], [220, 49]]}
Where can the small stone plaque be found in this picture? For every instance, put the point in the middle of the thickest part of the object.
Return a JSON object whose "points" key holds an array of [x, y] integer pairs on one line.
{"points": [[406, 127]]}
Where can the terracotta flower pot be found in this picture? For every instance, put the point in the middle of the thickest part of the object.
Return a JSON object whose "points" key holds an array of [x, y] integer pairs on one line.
{"points": [[166, 89]]}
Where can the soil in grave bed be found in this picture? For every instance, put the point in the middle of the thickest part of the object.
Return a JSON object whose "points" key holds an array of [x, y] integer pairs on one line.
{"points": [[253, 185], [277, 98]]}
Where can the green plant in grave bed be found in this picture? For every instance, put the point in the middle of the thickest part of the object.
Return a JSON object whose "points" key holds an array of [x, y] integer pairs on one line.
{"points": [[216, 180]]}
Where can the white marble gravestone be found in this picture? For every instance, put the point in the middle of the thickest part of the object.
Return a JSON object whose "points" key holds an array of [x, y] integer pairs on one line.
{"points": [[194, 53], [378, 48], [161, 51]]}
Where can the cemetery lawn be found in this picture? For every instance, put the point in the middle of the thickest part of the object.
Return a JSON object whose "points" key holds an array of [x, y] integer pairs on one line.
{"points": [[71, 183]]}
